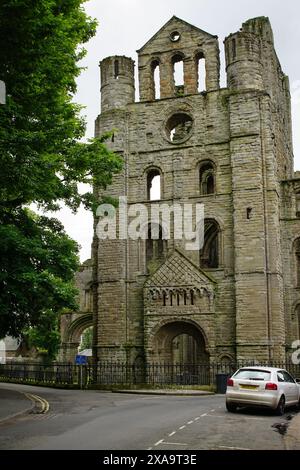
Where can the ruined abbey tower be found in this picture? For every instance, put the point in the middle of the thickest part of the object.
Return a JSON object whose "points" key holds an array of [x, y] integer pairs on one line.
{"points": [[228, 148]]}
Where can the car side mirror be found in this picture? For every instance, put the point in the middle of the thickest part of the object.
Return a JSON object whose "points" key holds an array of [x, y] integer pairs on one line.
{"points": [[297, 381]]}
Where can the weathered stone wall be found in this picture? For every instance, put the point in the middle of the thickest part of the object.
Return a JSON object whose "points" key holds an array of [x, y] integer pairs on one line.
{"points": [[117, 82], [290, 232], [179, 166], [244, 131], [191, 43]]}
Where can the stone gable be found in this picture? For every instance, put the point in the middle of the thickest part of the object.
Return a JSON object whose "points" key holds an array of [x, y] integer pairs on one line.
{"points": [[173, 24], [179, 271]]}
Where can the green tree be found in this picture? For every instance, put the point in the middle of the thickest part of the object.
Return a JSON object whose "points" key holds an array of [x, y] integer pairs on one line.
{"points": [[38, 261], [86, 339], [42, 157], [45, 337]]}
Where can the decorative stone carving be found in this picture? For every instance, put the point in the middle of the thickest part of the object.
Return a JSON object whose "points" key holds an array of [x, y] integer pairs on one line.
{"points": [[178, 276]]}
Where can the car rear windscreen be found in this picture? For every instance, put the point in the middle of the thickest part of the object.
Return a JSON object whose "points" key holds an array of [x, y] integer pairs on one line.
{"points": [[252, 374]]}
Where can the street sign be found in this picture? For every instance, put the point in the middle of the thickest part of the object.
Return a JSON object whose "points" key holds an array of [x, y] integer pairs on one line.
{"points": [[81, 360]]}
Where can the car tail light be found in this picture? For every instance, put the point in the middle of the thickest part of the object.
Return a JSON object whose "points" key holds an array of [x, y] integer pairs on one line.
{"points": [[229, 383], [271, 386]]}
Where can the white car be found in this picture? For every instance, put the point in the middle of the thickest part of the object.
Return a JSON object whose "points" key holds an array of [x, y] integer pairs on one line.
{"points": [[260, 386]]}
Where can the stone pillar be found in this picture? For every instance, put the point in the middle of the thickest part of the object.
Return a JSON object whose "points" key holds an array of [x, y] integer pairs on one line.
{"points": [[190, 76], [167, 85]]}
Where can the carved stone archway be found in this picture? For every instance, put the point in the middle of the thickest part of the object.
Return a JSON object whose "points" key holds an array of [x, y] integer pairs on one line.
{"points": [[178, 341], [73, 324], [72, 327]]}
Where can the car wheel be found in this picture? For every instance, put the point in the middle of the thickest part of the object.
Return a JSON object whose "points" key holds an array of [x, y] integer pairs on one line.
{"points": [[231, 407], [281, 406]]}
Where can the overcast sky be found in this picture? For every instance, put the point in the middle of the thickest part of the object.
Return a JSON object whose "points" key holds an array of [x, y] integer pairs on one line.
{"points": [[125, 25]]}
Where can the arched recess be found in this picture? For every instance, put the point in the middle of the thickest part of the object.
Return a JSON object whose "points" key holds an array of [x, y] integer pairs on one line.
{"points": [[77, 326], [178, 341], [207, 177], [155, 79], [296, 255], [297, 321], [154, 184], [201, 71], [178, 73], [72, 334], [226, 359], [211, 253], [297, 196]]}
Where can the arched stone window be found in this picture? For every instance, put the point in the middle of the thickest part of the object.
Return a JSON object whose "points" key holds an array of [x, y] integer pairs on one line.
{"points": [[210, 253], [297, 260], [201, 72], [116, 69], [207, 178], [155, 79], [233, 46], [298, 204], [178, 74], [153, 185], [297, 320]]}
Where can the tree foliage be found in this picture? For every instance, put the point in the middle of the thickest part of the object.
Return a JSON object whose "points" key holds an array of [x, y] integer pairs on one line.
{"points": [[45, 337], [42, 157], [38, 261], [86, 339]]}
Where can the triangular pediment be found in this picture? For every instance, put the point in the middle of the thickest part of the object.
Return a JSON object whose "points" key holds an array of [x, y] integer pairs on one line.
{"points": [[180, 271], [175, 23]]}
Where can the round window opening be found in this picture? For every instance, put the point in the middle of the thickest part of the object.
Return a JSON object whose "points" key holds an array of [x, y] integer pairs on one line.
{"points": [[179, 127], [175, 36]]}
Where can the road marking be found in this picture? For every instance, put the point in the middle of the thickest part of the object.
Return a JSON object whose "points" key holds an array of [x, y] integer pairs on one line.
{"points": [[215, 416], [174, 443], [158, 442], [42, 402], [234, 448], [183, 427]]}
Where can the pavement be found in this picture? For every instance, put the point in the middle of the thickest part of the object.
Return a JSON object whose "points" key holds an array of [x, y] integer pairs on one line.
{"points": [[292, 437], [12, 404], [179, 392]]}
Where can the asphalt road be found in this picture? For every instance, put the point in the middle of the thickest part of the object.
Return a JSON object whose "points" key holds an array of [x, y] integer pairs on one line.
{"points": [[96, 420], [12, 403]]}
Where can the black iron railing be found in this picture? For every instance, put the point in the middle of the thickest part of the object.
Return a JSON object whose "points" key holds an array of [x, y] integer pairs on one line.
{"points": [[116, 373]]}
